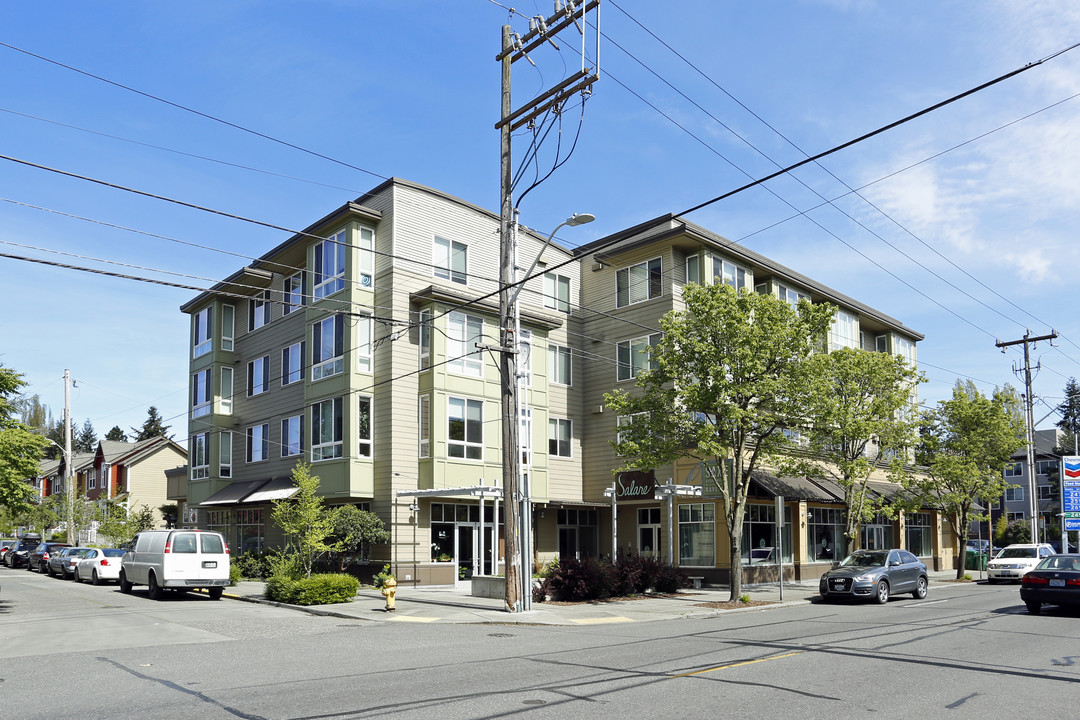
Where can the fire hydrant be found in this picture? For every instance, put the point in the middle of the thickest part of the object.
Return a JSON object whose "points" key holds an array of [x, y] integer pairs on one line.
{"points": [[389, 589]]}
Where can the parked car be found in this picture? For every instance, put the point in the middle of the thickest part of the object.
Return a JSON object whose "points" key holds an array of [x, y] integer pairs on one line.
{"points": [[875, 574], [38, 559], [178, 560], [98, 565], [16, 556], [63, 563], [6, 545], [1015, 560], [1054, 581]]}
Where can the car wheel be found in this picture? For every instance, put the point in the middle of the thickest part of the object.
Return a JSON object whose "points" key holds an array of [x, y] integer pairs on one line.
{"points": [[882, 595], [49, 572], [1034, 607], [154, 590], [125, 586], [920, 589], [94, 579], [991, 581], [75, 576], [215, 593]]}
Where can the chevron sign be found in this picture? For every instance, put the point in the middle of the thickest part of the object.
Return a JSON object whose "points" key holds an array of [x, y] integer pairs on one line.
{"points": [[1072, 466]]}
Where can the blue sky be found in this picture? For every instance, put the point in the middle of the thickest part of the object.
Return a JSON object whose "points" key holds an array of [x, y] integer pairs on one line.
{"points": [[963, 227]]}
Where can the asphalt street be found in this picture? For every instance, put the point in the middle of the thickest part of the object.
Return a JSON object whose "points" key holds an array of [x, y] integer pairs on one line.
{"points": [[968, 650]]}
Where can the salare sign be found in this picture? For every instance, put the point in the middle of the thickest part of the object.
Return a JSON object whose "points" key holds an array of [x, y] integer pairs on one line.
{"points": [[635, 485]]}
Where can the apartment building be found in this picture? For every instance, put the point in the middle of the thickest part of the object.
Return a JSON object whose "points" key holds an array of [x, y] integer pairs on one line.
{"points": [[352, 346], [1015, 504]]}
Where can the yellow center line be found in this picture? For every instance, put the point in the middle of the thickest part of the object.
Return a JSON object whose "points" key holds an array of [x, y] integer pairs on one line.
{"points": [[738, 664]]}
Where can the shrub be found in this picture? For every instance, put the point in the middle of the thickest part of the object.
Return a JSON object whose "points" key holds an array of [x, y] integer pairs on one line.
{"points": [[380, 578], [324, 589], [540, 591], [253, 565], [576, 580], [670, 579], [235, 576]]}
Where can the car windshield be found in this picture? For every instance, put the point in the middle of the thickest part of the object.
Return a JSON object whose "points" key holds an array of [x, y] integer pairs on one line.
{"points": [[865, 559], [1059, 562], [1019, 552]]}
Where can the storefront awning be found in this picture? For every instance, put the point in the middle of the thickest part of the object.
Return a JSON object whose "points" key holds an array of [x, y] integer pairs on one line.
{"points": [[472, 490], [799, 488], [234, 494], [276, 489]]}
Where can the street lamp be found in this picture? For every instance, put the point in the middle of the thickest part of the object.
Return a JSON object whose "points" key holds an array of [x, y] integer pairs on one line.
{"points": [[517, 519]]}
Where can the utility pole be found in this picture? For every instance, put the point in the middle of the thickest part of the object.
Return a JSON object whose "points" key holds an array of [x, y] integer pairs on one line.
{"points": [[1033, 501], [69, 475], [518, 568]]}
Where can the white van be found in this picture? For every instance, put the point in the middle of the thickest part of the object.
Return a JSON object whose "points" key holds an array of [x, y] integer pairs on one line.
{"points": [[179, 560]]}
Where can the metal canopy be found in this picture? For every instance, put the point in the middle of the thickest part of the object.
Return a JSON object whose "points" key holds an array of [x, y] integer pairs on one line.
{"points": [[472, 490]]}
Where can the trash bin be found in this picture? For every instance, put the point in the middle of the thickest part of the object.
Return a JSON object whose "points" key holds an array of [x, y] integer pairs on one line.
{"points": [[975, 560]]}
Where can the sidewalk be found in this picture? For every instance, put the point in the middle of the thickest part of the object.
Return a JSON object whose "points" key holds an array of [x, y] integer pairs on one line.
{"points": [[451, 605]]}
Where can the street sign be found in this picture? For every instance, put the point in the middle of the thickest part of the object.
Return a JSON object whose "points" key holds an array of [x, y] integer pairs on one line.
{"points": [[1072, 524]]}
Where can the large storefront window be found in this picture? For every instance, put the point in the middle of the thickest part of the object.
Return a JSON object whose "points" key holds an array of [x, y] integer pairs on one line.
{"points": [[920, 538], [455, 537], [697, 534], [825, 530], [578, 534], [877, 534], [249, 529], [218, 520], [759, 535]]}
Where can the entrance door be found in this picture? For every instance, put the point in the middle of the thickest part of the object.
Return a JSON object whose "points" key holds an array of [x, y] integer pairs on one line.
{"points": [[568, 543], [649, 538], [467, 551]]}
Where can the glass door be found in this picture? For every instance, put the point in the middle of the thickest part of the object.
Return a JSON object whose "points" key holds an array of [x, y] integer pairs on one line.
{"points": [[466, 551]]}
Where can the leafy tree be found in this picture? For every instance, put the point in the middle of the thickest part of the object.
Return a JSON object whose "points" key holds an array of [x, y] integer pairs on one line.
{"points": [[857, 416], [169, 513], [116, 434], [153, 426], [729, 375], [966, 443], [20, 449], [85, 441], [304, 519], [121, 525], [34, 414], [354, 531], [1017, 531]]}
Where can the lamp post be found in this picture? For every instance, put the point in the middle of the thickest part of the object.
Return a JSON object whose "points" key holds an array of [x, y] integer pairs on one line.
{"points": [[517, 507]]}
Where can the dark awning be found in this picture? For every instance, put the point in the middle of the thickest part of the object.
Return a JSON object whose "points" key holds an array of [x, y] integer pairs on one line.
{"points": [[234, 494], [799, 488]]}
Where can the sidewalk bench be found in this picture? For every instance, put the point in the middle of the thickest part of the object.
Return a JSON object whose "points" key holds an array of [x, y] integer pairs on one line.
{"points": [[696, 580]]}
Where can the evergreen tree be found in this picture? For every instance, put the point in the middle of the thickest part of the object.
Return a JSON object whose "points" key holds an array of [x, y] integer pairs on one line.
{"points": [[153, 426], [116, 434], [1070, 418], [85, 441]]}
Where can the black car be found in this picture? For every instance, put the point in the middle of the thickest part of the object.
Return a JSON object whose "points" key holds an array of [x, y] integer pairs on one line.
{"points": [[38, 559], [875, 574], [17, 555], [1054, 581]]}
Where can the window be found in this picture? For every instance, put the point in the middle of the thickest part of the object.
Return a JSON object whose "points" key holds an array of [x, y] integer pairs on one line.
{"points": [[200, 393], [759, 535], [905, 349], [697, 530], [329, 265], [1015, 517], [560, 370], [326, 430], [877, 533], [624, 421], [294, 293], [790, 295], [259, 311], [465, 429], [449, 258], [844, 331], [825, 528], [560, 431], [225, 454], [1014, 494], [1046, 467], [258, 376], [364, 425], [425, 339], [292, 436], [202, 330], [1046, 492], [258, 443], [200, 456], [638, 283], [226, 390], [524, 358], [525, 436], [464, 332], [1014, 470], [249, 529], [327, 347], [292, 363], [578, 533], [423, 416], [228, 326], [649, 537], [91, 479], [727, 272], [363, 342], [366, 251], [633, 356], [693, 269], [557, 292]]}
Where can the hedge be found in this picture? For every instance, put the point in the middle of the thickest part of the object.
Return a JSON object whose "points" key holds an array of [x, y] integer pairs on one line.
{"points": [[324, 589]]}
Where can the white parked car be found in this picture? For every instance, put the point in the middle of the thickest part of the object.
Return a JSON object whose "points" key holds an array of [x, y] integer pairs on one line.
{"points": [[178, 560], [98, 565], [1015, 560]]}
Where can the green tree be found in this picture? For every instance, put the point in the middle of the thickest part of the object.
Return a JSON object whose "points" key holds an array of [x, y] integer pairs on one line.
{"points": [[304, 519], [354, 531], [1070, 419], [728, 375], [121, 525], [965, 444], [153, 426], [85, 441], [34, 414], [116, 434], [21, 450], [858, 415]]}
